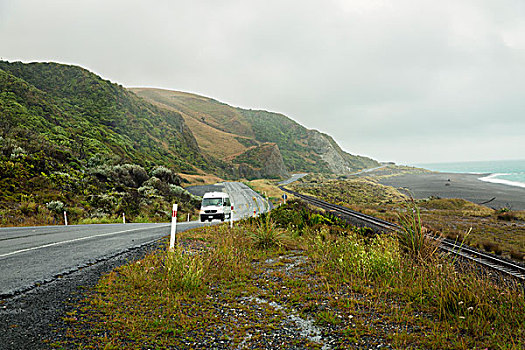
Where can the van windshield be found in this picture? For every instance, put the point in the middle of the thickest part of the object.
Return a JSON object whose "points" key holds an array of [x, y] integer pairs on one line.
{"points": [[211, 201]]}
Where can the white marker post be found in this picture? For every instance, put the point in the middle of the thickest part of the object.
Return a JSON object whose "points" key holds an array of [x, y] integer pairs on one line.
{"points": [[173, 227], [123, 218], [188, 217], [231, 217], [65, 218]]}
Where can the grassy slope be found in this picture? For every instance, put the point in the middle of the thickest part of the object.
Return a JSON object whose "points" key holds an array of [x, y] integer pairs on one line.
{"points": [[216, 127], [242, 128], [494, 231], [65, 133]]}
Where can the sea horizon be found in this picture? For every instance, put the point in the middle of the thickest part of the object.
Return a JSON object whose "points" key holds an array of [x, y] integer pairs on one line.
{"points": [[506, 172]]}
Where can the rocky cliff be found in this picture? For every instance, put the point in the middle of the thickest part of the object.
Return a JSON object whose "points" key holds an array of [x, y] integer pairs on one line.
{"points": [[264, 161]]}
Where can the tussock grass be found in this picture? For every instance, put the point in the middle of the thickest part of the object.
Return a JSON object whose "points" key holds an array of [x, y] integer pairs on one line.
{"points": [[413, 236], [353, 257], [265, 233]]}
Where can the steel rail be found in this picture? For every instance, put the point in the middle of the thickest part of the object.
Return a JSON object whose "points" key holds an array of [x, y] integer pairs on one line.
{"points": [[452, 247]]}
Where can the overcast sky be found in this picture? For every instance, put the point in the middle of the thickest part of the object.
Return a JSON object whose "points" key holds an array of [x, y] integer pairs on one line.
{"points": [[405, 81]]}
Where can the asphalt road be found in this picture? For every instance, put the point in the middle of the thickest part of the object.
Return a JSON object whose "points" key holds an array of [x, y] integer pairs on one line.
{"points": [[245, 201], [294, 178], [30, 256]]}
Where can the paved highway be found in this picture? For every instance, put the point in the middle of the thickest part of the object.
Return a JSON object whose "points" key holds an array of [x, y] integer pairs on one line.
{"points": [[294, 178], [245, 201], [32, 255]]}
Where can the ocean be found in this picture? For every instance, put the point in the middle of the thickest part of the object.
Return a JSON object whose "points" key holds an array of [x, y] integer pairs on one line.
{"points": [[507, 172]]}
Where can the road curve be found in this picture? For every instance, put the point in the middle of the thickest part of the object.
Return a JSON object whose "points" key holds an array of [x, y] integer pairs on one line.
{"points": [[245, 201]]}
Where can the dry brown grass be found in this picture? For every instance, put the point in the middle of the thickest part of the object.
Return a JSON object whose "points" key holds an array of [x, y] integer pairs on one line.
{"points": [[269, 187], [205, 127], [212, 141], [216, 126], [204, 179]]}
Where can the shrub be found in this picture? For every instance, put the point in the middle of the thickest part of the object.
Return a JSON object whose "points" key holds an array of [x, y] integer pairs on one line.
{"points": [[127, 175], [490, 246], [28, 207], [507, 216], [57, 207], [104, 203], [130, 175], [517, 255], [166, 175], [412, 235], [184, 272], [265, 233]]}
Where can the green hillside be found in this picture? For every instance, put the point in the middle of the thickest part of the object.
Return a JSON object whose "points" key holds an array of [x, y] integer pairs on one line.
{"points": [[302, 150], [71, 140], [87, 115]]}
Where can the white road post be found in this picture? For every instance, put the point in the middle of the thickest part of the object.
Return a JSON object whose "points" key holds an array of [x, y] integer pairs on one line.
{"points": [[231, 217], [173, 227], [65, 218], [123, 218], [188, 217]]}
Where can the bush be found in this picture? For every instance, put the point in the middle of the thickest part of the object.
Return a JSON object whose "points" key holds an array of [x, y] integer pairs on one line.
{"points": [[126, 175], [184, 272], [28, 207], [265, 233], [412, 236], [57, 207], [490, 246], [166, 175], [507, 216]]}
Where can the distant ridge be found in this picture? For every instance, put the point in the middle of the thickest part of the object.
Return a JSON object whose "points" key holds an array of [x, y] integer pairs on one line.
{"points": [[225, 131]]}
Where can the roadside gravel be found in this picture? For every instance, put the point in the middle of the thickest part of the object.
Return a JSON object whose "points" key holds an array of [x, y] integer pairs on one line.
{"points": [[34, 320]]}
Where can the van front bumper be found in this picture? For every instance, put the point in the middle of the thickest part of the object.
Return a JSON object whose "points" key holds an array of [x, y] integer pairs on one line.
{"points": [[205, 217]]}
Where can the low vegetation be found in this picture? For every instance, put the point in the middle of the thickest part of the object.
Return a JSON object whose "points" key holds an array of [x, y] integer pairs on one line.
{"points": [[296, 278], [498, 231], [36, 189]]}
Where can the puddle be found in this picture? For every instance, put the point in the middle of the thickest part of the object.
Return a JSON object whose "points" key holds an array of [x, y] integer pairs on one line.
{"points": [[307, 328]]}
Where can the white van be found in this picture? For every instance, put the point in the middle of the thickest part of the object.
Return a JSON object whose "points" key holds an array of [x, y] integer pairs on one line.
{"points": [[215, 205]]}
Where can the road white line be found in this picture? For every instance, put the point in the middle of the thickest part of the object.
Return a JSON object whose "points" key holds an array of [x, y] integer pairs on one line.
{"points": [[73, 240]]}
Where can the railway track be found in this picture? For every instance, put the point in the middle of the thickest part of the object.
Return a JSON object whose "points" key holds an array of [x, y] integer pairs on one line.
{"points": [[486, 260]]}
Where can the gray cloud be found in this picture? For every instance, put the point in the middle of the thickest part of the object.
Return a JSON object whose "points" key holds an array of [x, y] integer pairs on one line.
{"points": [[409, 81]]}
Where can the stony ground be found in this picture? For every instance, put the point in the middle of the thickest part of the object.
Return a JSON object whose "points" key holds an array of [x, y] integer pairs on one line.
{"points": [[35, 319]]}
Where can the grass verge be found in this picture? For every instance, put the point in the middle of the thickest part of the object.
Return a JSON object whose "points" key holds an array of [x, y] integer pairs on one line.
{"points": [[323, 284]]}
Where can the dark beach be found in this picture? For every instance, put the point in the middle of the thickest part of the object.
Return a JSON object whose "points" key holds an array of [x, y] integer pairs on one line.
{"points": [[466, 186]]}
